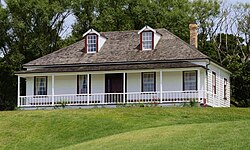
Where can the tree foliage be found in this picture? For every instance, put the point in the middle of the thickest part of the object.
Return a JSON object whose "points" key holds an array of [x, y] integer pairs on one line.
{"points": [[29, 29], [108, 15]]}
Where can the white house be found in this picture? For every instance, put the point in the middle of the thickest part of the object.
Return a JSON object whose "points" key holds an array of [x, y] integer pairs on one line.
{"points": [[146, 66]]}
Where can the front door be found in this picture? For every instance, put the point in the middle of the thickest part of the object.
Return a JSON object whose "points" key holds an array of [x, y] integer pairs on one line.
{"points": [[114, 84]]}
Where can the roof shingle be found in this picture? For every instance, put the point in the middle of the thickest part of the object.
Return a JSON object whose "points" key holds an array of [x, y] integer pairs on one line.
{"points": [[122, 46]]}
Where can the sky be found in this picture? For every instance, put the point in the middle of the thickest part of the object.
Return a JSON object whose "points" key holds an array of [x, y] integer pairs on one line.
{"points": [[242, 1], [70, 20]]}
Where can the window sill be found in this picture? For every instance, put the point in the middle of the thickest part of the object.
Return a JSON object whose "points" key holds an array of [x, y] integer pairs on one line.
{"points": [[147, 49], [91, 52]]}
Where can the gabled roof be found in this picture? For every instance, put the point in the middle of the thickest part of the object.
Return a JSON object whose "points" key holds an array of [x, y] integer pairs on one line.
{"points": [[90, 31], [147, 28], [122, 46]]}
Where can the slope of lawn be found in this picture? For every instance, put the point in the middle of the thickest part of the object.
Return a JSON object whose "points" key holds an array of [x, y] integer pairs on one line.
{"points": [[126, 128], [224, 135]]}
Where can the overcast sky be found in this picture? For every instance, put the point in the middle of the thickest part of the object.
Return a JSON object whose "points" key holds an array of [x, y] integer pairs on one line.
{"points": [[235, 1]]}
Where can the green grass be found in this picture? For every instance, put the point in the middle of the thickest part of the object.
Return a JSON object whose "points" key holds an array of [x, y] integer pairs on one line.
{"points": [[126, 128]]}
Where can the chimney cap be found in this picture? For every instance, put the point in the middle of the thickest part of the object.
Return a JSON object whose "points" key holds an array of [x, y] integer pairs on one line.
{"points": [[193, 26]]}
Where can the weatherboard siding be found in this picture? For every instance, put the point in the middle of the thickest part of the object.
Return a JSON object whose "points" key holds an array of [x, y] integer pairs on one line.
{"points": [[29, 85], [134, 82], [97, 83], [172, 81], [220, 75], [65, 85]]}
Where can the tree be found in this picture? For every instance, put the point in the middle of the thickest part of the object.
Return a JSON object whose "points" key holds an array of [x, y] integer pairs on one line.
{"points": [[29, 29], [242, 13], [232, 46]]}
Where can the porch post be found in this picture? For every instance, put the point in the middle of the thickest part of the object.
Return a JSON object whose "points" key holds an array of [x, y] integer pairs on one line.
{"points": [[53, 89], [124, 90], [160, 86], [18, 91], [198, 84], [88, 89]]}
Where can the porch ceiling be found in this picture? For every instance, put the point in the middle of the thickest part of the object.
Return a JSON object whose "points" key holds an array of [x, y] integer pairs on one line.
{"points": [[159, 65]]}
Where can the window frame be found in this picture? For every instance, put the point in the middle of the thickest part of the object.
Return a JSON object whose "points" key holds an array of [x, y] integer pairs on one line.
{"points": [[87, 43], [214, 86], [46, 85], [152, 40], [78, 84], [183, 80], [142, 81], [225, 88]]}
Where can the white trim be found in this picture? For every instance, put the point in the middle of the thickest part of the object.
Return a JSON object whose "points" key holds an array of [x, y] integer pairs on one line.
{"points": [[90, 52], [219, 85], [198, 81], [124, 86], [53, 88], [18, 91], [88, 89], [147, 28], [161, 86], [91, 31]]}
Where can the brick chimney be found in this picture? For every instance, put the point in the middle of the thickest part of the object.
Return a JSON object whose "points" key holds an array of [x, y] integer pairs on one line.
{"points": [[193, 34]]}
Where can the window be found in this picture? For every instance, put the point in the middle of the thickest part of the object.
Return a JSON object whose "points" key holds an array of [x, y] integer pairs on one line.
{"points": [[189, 80], [147, 40], [225, 88], [92, 43], [40, 84], [148, 82], [82, 81], [214, 83]]}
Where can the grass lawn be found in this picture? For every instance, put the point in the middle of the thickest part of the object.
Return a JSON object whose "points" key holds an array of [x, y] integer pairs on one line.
{"points": [[126, 128]]}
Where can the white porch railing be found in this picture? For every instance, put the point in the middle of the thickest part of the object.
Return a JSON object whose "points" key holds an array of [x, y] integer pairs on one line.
{"points": [[112, 98]]}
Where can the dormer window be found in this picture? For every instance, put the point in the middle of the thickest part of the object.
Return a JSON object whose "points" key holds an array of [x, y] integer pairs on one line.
{"points": [[91, 43], [147, 40]]}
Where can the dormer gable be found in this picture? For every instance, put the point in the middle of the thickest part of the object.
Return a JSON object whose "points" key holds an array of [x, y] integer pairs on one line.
{"points": [[93, 41], [148, 38]]}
